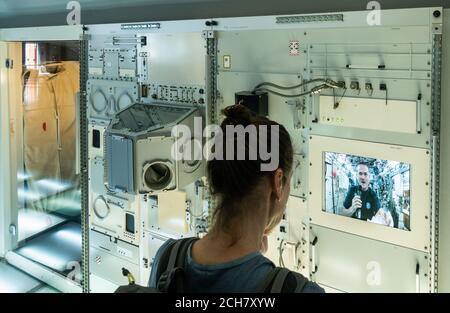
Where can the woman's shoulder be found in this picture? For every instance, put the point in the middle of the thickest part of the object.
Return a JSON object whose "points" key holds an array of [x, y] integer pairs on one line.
{"points": [[312, 287], [296, 282]]}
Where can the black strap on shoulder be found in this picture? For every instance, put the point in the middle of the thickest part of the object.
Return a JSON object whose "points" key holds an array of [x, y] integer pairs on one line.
{"points": [[183, 251], [282, 280], [173, 255], [278, 282], [265, 286], [301, 282], [172, 277]]}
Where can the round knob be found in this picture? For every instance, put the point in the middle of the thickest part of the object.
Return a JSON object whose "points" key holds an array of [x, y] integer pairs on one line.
{"points": [[211, 23]]}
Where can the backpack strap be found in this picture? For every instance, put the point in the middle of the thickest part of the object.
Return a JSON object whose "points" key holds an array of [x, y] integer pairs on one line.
{"points": [[301, 281], [173, 255], [268, 281], [172, 278], [278, 282], [183, 251], [282, 280]]}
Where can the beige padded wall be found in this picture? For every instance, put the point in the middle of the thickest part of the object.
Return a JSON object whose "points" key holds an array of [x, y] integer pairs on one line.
{"points": [[40, 149], [45, 98], [66, 84]]}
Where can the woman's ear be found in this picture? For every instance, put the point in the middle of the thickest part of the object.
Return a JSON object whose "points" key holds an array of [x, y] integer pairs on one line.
{"points": [[277, 183]]}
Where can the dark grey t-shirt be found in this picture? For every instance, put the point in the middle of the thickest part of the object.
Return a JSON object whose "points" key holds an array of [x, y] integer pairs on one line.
{"points": [[244, 275]]}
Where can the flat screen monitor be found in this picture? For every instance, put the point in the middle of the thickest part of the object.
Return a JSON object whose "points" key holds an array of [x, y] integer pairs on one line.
{"points": [[368, 189]]}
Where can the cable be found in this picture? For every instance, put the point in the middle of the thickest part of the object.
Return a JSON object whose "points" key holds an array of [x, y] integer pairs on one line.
{"points": [[317, 80], [336, 103], [109, 189], [129, 276], [196, 216], [316, 89], [282, 95], [280, 251]]}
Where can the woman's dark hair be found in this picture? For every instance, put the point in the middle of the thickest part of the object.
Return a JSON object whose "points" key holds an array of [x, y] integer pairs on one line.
{"points": [[231, 180]]}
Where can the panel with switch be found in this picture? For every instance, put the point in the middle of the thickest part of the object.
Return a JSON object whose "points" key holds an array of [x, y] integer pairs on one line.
{"points": [[174, 94]]}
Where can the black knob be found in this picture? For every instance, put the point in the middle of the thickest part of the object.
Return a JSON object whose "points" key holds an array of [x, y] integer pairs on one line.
{"points": [[201, 91], [201, 101], [437, 13], [154, 96], [211, 23]]}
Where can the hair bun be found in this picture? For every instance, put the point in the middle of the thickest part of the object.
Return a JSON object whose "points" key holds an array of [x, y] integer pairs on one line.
{"points": [[237, 114]]}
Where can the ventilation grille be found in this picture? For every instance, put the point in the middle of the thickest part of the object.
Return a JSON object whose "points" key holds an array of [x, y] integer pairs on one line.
{"points": [[310, 18]]}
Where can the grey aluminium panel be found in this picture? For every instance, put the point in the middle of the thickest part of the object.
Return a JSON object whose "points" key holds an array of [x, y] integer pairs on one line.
{"points": [[176, 58], [107, 97], [444, 212], [119, 157], [355, 264], [107, 258], [250, 52], [96, 175], [251, 65]]}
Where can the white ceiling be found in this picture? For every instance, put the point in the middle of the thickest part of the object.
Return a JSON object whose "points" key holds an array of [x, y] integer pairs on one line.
{"points": [[10, 8]]}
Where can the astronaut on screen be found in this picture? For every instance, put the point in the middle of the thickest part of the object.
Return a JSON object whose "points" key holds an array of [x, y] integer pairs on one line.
{"points": [[361, 201]]}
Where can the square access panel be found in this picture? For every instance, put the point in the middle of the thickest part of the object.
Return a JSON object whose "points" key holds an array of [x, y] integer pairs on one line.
{"points": [[350, 263]]}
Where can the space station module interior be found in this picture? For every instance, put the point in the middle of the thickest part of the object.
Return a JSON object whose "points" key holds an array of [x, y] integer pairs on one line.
{"points": [[87, 119]]}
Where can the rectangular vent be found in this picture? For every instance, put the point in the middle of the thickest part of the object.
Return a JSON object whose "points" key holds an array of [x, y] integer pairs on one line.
{"points": [[310, 18], [139, 26]]}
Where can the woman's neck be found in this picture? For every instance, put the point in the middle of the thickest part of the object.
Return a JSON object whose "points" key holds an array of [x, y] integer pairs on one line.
{"points": [[241, 238]]}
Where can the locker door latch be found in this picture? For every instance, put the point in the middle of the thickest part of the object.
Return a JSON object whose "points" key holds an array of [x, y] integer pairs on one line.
{"points": [[9, 64]]}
